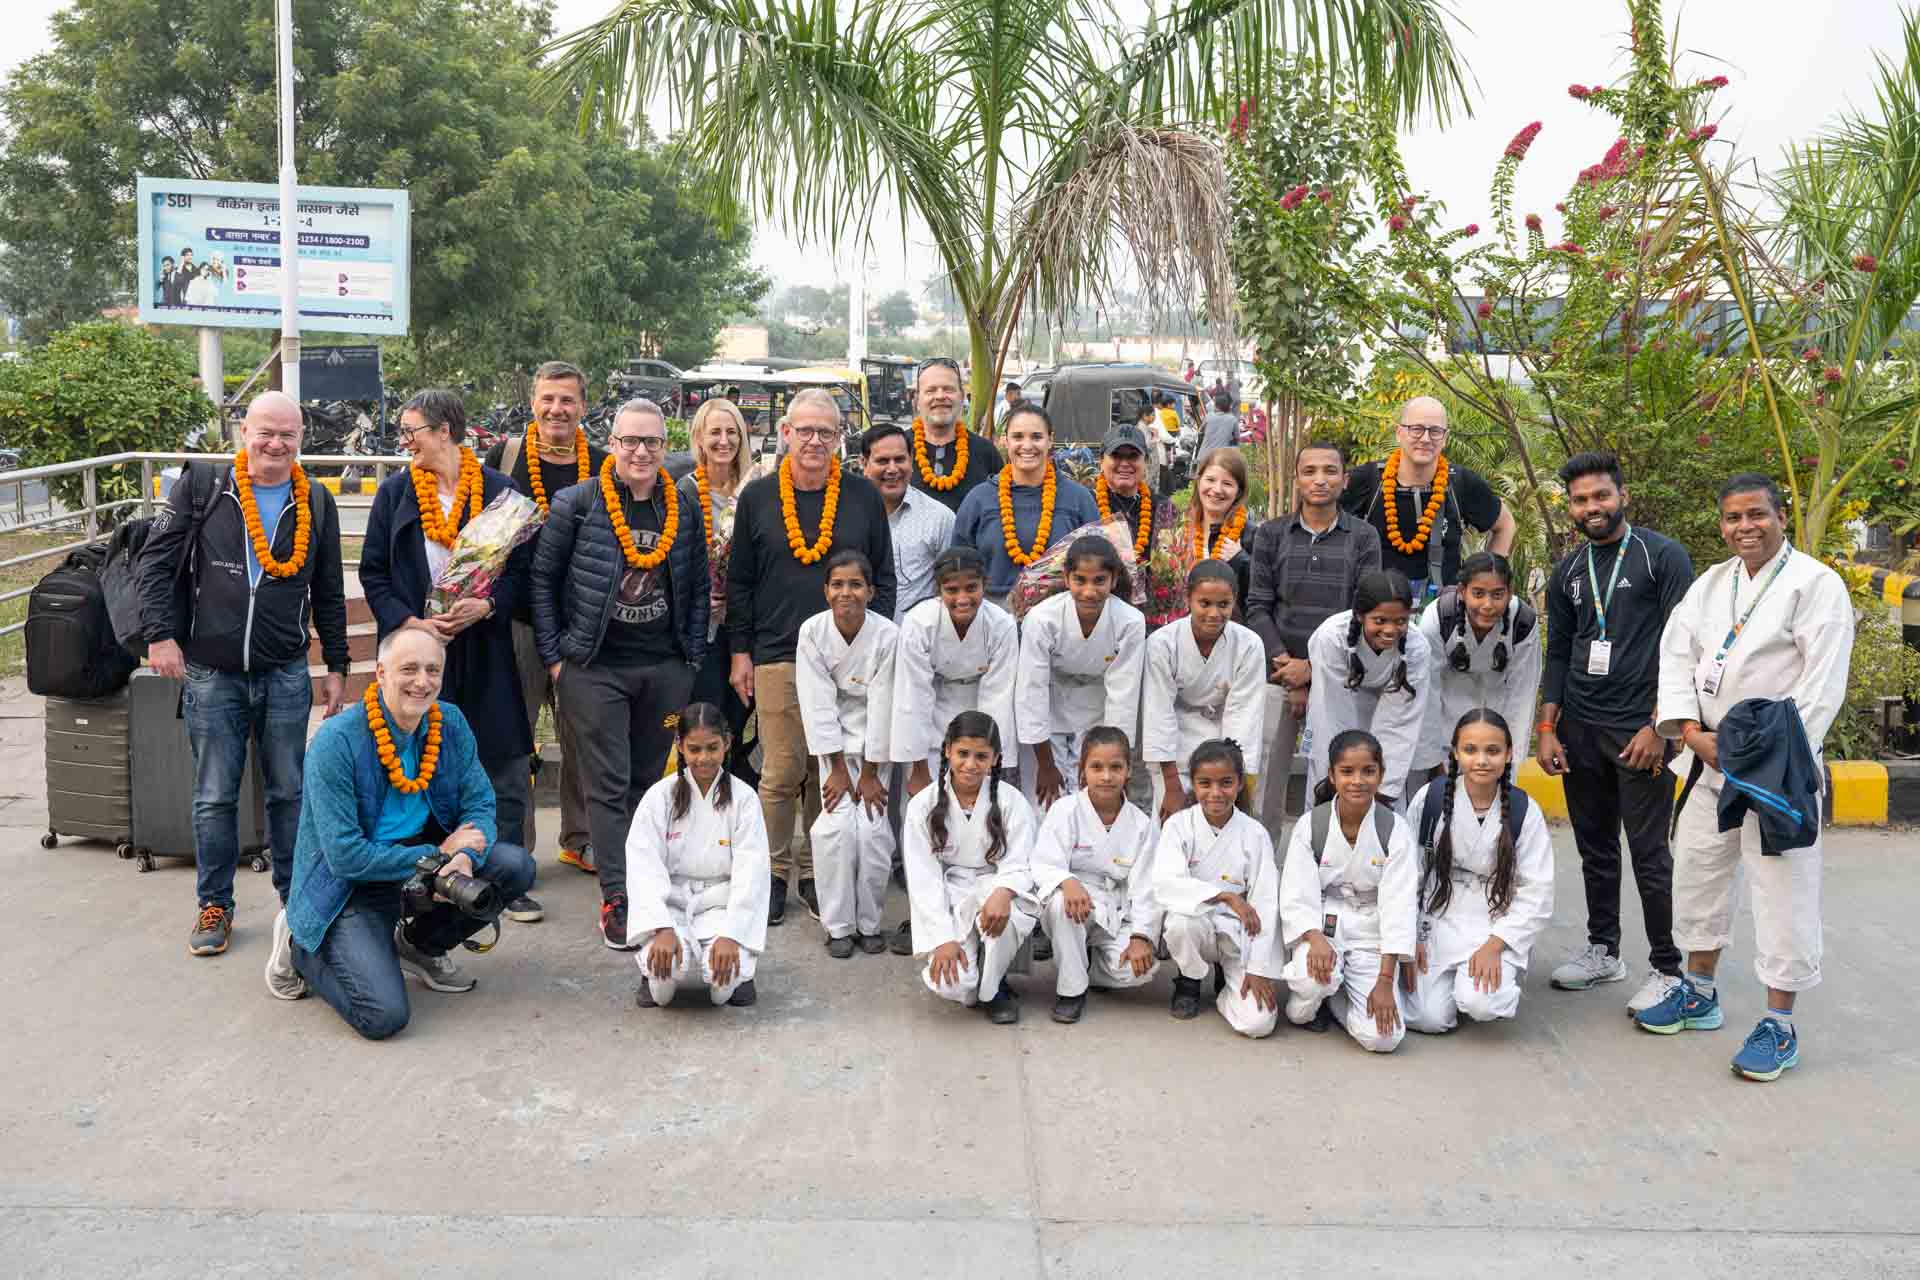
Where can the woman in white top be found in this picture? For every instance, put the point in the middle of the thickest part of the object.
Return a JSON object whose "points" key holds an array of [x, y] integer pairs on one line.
{"points": [[698, 873], [1372, 672], [1205, 679], [1486, 889], [1081, 655], [843, 672], [967, 844], [957, 652], [1485, 646]]}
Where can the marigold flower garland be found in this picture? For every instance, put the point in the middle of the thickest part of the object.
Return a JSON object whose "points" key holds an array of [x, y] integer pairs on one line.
{"points": [[1040, 531], [804, 553], [706, 501], [444, 527], [1232, 529], [532, 450], [250, 511], [1389, 480], [390, 758], [952, 478], [617, 513], [1144, 537]]}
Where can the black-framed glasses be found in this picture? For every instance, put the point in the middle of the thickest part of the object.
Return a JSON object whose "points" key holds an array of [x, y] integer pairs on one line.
{"points": [[1425, 432], [814, 433], [407, 434], [627, 444]]}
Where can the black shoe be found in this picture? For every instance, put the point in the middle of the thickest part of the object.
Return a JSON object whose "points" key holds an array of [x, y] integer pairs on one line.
{"points": [[743, 995], [1322, 1020], [840, 948], [1042, 945], [872, 943], [1186, 998], [524, 909], [613, 923], [901, 943], [1004, 1009], [644, 996], [777, 902], [1069, 1008], [810, 898]]}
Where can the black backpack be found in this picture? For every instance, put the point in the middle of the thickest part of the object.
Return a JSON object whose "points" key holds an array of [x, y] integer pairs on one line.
{"points": [[120, 574], [1436, 801], [1321, 822], [1516, 627], [71, 650]]}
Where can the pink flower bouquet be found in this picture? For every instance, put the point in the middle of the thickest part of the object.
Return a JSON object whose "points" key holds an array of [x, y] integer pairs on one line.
{"points": [[481, 552], [1047, 576]]}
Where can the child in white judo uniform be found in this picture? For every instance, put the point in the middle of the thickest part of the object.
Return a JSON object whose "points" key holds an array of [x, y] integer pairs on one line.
{"points": [[1484, 643], [698, 872], [1350, 901], [957, 652], [1371, 670], [1205, 679], [843, 671], [1486, 886], [1219, 893], [1776, 624], [1093, 875], [1081, 657], [967, 842]]}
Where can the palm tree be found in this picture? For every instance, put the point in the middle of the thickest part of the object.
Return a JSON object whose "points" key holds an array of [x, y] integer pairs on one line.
{"points": [[1042, 143]]}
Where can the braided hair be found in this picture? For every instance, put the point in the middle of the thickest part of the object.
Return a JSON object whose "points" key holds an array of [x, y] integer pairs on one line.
{"points": [[699, 715], [1344, 741], [1437, 885], [971, 724], [1476, 564], [1374, 589]]}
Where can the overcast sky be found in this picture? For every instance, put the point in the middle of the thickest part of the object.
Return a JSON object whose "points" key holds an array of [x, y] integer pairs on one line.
{"points": [[1792, 66]]}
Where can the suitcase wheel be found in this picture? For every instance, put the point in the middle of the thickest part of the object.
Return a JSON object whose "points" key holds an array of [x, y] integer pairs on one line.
{"points": [[49, 840], [123, 851], [259, 862], [143, 859]]}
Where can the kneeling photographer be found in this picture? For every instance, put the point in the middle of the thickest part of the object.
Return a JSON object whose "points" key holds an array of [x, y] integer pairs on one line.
{"points": [[396, 862]]}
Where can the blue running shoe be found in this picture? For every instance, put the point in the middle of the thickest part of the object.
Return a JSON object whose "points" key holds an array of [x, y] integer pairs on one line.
{"points": [[1769, 1050], [1684, 1009]]}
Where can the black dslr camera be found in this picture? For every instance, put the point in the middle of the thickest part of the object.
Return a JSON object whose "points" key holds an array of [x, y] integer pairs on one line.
{"points": [[470, 895]]}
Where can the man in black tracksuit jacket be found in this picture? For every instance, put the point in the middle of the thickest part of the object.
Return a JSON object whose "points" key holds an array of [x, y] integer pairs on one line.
{"points": [[238, 635]]}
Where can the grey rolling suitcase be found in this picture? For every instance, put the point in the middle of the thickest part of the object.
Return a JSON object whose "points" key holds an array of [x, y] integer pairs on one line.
{"points": [[160, 773], [88, 787]]}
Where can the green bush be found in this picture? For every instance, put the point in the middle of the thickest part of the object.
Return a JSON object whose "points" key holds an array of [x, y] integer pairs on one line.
{"points": [[1883, 667], [97, 388]]}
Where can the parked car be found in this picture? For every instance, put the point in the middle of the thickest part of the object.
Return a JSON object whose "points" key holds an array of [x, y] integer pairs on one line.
{"points": [[657, 380], [1086, 400]]}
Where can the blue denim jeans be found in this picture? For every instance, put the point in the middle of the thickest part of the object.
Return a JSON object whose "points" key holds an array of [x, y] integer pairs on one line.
{"points": [[356, 969], [224, 710]]}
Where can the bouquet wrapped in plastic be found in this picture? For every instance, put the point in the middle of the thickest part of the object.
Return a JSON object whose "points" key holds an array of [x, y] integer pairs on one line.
{"points": [[1160, 590], [481, 552], [1047, 576]]}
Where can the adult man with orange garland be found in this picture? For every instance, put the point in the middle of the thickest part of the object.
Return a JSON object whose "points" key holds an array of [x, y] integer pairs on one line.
{"points": [[786, 526], [948, 461], [1427, 505], [233, 568]]}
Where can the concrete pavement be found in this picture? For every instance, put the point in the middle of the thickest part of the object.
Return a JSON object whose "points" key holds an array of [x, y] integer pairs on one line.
{"points": [[165, 1117]]}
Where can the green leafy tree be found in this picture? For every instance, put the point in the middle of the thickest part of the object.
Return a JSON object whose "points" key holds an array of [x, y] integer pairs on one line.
{"points": [[897, 311]]}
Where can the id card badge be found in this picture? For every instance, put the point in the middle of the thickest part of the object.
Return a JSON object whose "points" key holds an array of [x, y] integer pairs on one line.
{"points": [[1600, 658], [1332, 923], [1712, 672]]}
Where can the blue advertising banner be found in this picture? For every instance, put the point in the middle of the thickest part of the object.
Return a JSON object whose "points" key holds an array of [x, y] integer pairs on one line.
{"points": [[210, 256]]}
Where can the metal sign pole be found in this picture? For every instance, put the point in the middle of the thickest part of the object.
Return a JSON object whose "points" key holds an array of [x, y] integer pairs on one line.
{"points": [[213, 374], [289, 214]]}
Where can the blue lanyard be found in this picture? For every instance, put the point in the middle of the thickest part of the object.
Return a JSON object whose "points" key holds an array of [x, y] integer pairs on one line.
{"points": [[1740, 623], [1600, 602]]}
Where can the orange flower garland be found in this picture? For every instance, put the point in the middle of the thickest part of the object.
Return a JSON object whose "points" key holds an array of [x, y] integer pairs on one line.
{"points": [[444, 527], [1014, 552], [941, 483], [804, 553], [1389, 480], [1142, 539], [250, 511], [390, 758], [1232, 529], [617, 513], [706, 501], [532, 450]]}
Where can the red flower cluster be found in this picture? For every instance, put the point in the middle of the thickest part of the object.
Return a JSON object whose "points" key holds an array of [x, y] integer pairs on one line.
{"points": [[1612, 165], [1517, 149], [1561, 207], [1568, 246], [1533, 222], [1292, 199], [1396, 224], [1473, 228], [1324, 196], [1811, 355], [1242, 120], [1831, 373], [1607, 211], [1484, 310], [1718, 82], [1898, 464], [1703, 133], [1612, 276], [1581, 91], [1407, 204], [1866, 262]]}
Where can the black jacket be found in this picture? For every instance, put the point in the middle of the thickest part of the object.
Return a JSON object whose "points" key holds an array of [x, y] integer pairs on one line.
{"points": [[1770, 772], [227, 625], [577, 565]]}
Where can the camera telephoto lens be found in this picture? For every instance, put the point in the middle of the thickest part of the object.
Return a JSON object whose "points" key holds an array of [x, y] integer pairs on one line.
{"points": [[475, 897]]}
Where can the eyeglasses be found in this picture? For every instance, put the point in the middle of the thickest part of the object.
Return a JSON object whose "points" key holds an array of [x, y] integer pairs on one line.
{"points": [[406, 434], [627, 444], [1425, 433], [814, 433]]}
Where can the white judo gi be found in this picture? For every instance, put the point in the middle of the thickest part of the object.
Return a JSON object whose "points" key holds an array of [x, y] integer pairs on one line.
{"points": [[1190, 699], [946, 887], [1192, 864], [1396, 719], [1797, 644], [1068, 682], [938, 673], [1366, 900], [705, 876], [846, 706], [1510, 692], [1446, 989], [1115, 867]]}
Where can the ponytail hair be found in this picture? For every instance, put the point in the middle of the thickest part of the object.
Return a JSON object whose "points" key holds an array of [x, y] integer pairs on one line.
{"points": [[1344, 741], [1219, 751], [971, 724], [1383, 586], [1437, 885], [1091, 546], [698, 715], [1476, 564], [1103, 735]]}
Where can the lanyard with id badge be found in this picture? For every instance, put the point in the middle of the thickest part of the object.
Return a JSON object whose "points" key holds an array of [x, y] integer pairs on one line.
{"points": [[1600, 652], [1716, 670]]}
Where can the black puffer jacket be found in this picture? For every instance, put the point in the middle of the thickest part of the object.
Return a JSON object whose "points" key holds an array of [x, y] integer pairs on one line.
{"points": [[577, 567]]}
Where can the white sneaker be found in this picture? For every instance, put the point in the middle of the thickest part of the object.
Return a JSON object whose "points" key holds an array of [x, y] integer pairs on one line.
{"points": [[439, 972], [1651, 992], [1589, 968], [283, 980]]}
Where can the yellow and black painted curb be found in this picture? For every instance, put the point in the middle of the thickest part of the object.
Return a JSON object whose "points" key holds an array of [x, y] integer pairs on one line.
{"points": [[1899, 590], [1860, 793]]}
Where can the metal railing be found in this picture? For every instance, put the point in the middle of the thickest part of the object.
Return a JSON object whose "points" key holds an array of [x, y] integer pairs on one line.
{"points": [[88, 517]]}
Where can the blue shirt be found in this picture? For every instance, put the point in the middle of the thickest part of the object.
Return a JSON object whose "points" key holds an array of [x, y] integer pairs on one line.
{"points": [[269, 500], [977, 523], [404, 814]]}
